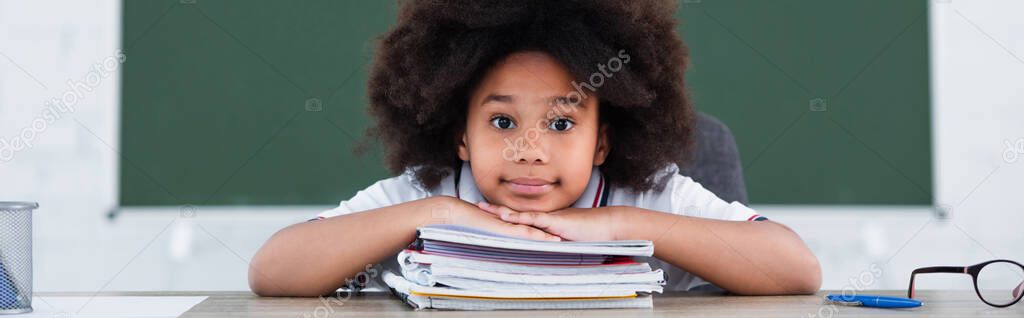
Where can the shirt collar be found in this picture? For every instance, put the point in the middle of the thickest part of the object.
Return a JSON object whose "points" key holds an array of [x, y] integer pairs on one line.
{"points": [[595, 195]]}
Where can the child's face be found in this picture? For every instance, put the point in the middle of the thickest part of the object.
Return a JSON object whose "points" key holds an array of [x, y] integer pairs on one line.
{"points": [[531, 141]]}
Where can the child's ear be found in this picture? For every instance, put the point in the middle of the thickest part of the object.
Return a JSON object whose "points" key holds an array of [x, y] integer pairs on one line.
{"points": [[463, 149], [603, 146]]}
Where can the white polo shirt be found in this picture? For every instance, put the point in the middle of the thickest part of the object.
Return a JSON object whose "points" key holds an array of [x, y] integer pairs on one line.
{"points": [[681, 195]]}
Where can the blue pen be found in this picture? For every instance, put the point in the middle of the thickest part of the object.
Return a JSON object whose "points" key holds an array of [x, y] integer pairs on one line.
{"points": [[9, 296], [873, 301]]}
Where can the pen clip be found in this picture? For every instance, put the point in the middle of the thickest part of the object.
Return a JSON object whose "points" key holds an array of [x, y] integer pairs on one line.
{"points": [[844, 303]]}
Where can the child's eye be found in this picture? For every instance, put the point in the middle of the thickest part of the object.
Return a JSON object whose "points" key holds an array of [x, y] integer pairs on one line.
{"points": [[561, 124], [502, 122]]}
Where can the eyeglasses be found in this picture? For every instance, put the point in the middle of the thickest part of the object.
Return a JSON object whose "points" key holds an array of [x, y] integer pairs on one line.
{"points": [[999, 283]]}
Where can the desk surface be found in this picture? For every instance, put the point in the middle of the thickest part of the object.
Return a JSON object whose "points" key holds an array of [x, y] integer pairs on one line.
{"points": [[961, 303]]}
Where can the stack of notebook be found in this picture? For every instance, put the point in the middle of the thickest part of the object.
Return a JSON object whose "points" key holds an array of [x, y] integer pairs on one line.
{"points": [[454, 267]]}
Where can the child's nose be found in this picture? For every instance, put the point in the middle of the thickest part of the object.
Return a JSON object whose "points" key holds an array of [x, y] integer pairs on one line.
{"points": [[532, 155]]}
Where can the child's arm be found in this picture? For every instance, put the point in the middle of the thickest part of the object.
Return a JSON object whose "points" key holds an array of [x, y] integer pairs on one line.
{"points": [[751, 258], [315, 258]]}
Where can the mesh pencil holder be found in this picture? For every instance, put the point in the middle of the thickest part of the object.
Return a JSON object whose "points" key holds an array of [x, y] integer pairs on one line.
{"points": [[16, 257]]}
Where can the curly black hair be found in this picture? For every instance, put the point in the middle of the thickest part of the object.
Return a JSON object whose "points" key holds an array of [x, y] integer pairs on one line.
{"points": [[428, 63]]}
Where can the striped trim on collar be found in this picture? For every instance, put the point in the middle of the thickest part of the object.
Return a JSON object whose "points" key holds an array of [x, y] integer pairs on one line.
{"points": [[603, 196]]}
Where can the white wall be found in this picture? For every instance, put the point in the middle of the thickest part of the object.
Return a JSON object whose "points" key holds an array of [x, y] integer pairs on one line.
{"points": [[72, 168]]}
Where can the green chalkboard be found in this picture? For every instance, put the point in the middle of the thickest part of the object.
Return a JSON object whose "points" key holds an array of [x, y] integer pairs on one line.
{"points": [[828, 100], [247, 102], [233, 102]]}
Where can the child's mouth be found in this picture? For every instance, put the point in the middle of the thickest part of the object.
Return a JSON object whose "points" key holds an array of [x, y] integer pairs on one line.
{"points": [[529, 186]]}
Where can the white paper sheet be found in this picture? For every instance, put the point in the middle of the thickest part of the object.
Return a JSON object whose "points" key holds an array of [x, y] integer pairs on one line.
{"points": [[111, 306]]}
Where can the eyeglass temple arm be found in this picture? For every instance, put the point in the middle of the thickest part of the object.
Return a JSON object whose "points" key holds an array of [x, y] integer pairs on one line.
{"points": [[933, 269]]}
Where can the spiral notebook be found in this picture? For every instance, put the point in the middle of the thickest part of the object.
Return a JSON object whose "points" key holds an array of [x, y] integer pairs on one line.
{"points": [[455, 267], [475, 239]]}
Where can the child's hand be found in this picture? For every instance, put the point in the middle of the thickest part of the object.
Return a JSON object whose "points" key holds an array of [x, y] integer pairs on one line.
{"points": [[572, 224], [451, 210]]}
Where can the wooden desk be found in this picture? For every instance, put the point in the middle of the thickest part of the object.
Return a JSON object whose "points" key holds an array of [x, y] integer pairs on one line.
{"points": [[937, 304]]}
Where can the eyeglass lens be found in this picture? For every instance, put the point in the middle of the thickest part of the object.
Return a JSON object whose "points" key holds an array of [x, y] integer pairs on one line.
{"points": [[1001, 283]]}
